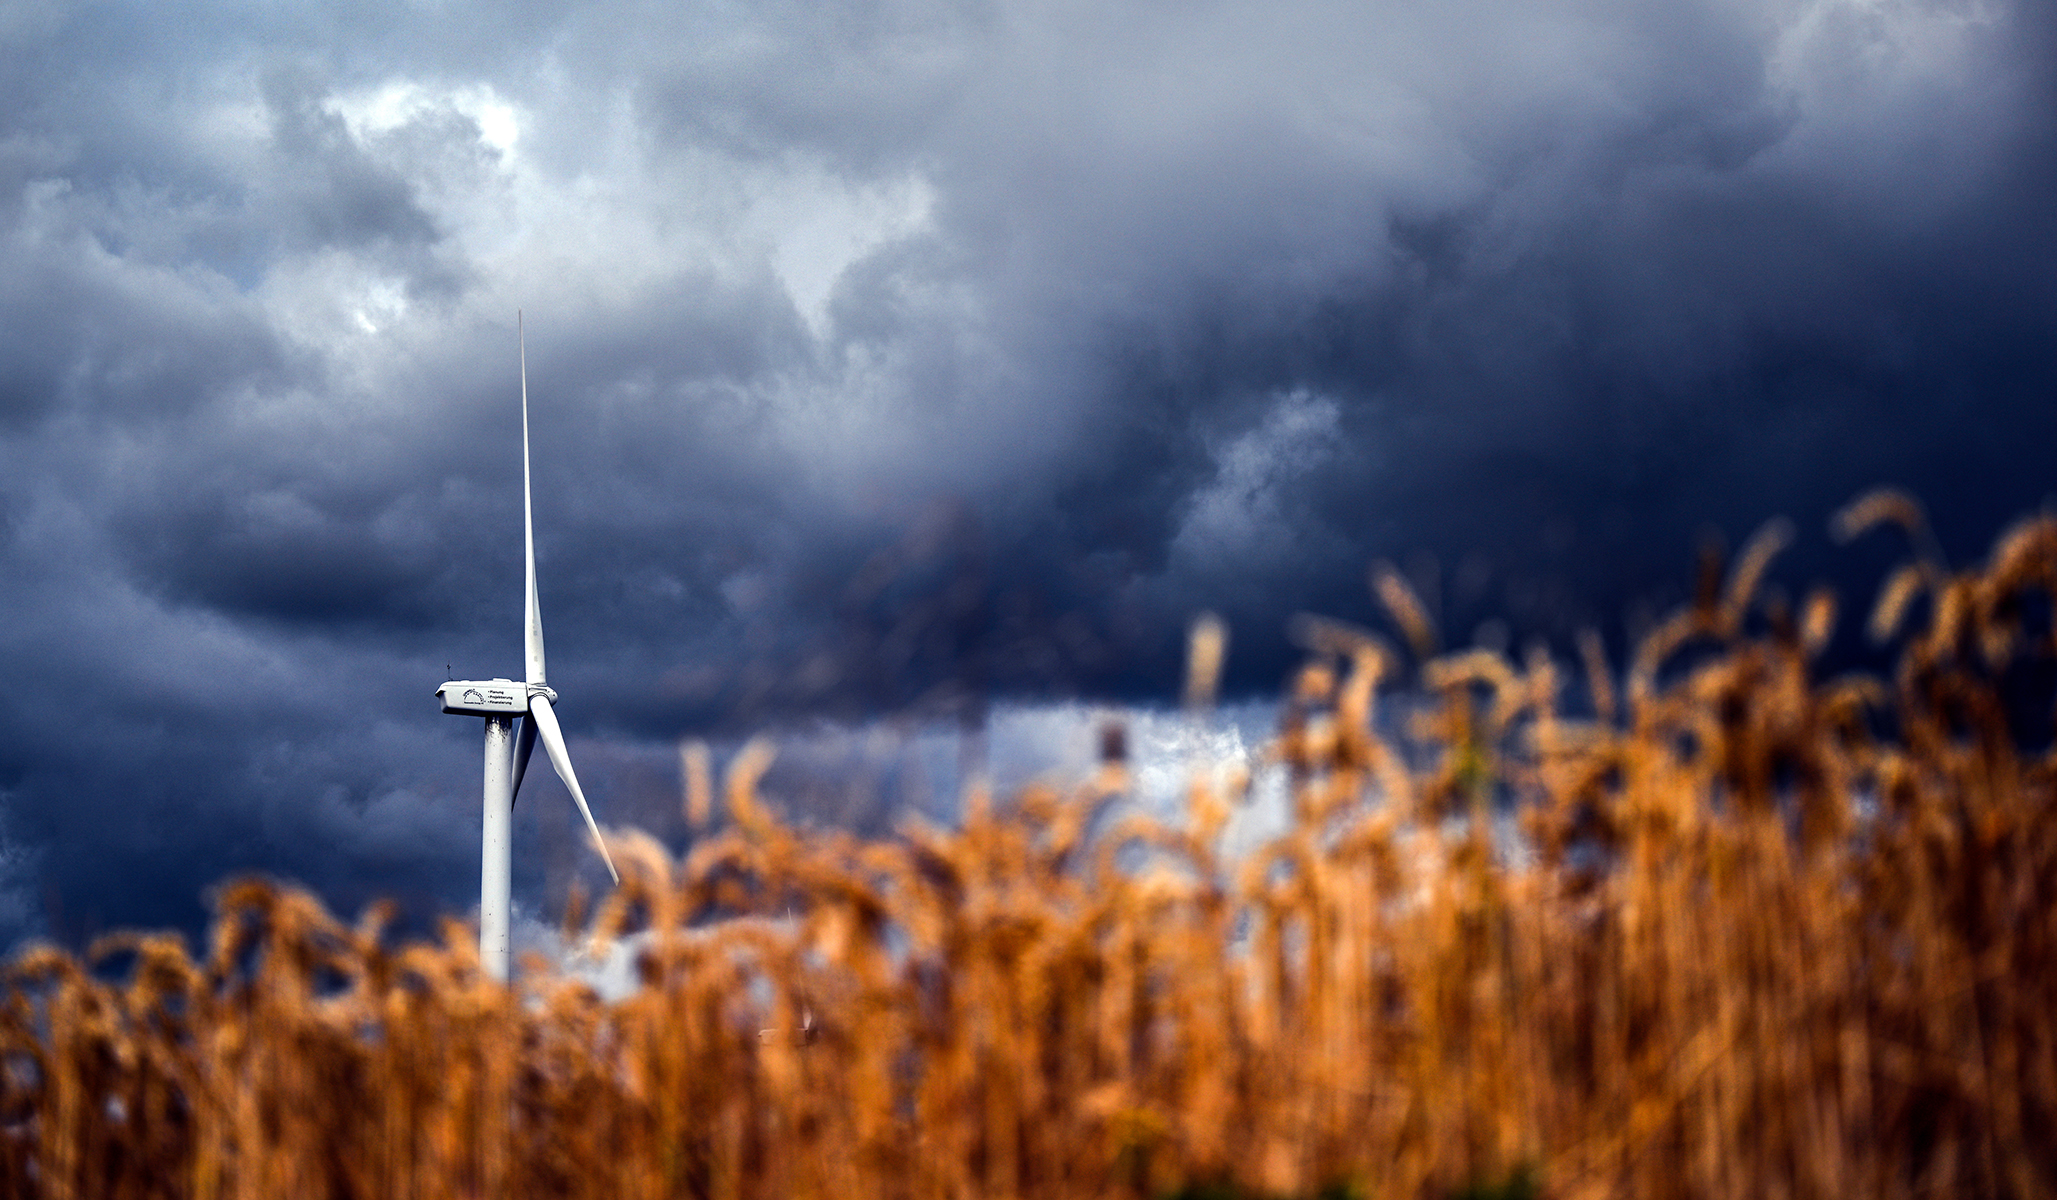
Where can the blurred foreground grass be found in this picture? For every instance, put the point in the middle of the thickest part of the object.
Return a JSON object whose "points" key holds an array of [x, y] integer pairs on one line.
{"points": [[1764, 934]]}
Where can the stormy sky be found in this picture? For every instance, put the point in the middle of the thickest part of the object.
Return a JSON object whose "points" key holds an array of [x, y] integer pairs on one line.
{"points": [[895, 363]]}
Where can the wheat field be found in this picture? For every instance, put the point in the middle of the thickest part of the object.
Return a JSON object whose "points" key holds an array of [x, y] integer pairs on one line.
{"points": [[1763, 934]]}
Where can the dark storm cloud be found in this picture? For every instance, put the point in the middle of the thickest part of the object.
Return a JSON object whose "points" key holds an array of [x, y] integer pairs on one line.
{"points": [[898, 359]]}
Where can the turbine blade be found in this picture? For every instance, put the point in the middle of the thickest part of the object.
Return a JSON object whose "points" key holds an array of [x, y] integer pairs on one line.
{"points": [[524, 745], [532, 616], [553, 741]]}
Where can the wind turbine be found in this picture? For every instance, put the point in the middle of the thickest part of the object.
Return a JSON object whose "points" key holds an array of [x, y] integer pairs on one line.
{"points": [[500, 701]]}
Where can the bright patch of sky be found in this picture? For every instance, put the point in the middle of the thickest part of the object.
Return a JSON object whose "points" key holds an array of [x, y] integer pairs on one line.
{"points": [[1242, 513], [818, 224], [370, 112]]}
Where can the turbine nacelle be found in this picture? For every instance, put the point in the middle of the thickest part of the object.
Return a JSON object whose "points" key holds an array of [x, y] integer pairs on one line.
{"points": [[485, 697]]}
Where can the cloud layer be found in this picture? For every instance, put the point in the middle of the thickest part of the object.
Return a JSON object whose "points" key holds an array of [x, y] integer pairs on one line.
{"points": [[891, 359]]}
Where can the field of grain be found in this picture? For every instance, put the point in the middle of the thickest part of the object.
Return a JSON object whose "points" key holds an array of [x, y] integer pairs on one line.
{"points": [[1763, 934]]}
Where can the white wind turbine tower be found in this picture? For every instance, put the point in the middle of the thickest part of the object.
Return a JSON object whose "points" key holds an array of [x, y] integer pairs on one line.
{"points": [[500, 701]]}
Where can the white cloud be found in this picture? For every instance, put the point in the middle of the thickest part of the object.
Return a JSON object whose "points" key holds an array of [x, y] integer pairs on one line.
{"points": [[817, 224], [1242, 515]]}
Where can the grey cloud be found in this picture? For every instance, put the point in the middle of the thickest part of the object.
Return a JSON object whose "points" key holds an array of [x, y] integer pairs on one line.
{"points": [[340, 196], [87, 330], [859, 83]]}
